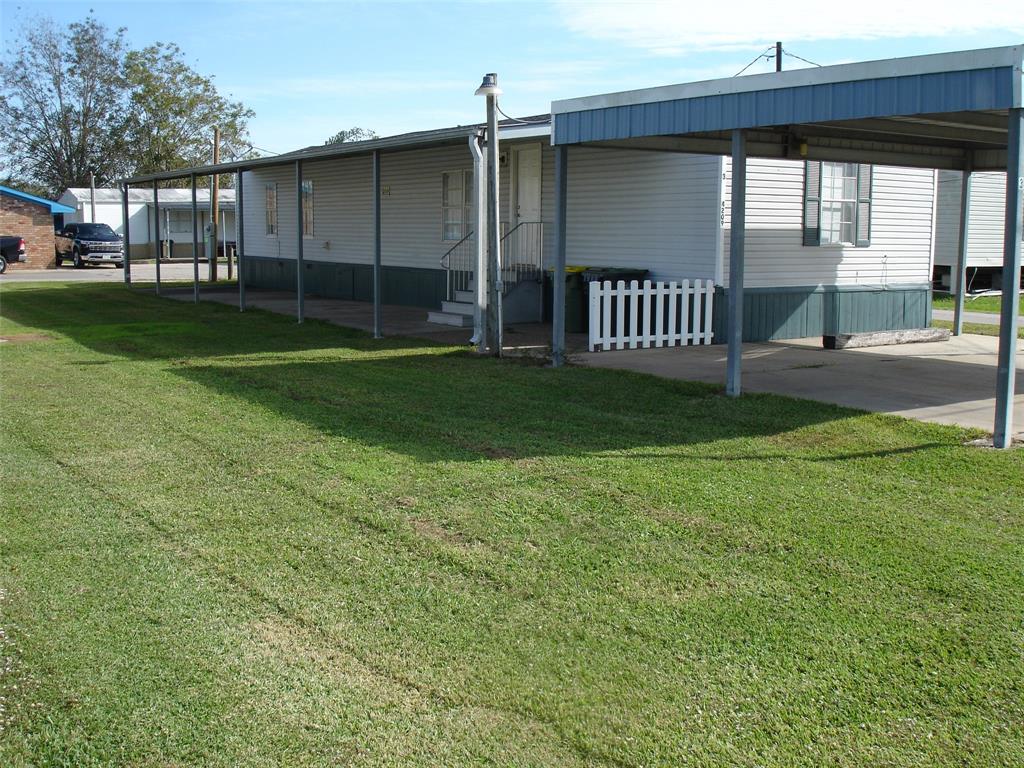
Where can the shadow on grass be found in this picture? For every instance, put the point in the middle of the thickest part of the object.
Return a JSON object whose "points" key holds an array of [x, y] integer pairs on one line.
{"points": [[429, 402]]}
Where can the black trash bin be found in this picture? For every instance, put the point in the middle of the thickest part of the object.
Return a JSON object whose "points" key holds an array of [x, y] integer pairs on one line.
{"points": [[612, 275], [575, 298]]}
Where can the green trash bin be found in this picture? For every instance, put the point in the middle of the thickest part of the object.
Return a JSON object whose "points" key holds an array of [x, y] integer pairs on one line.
{"points": [[575, 299]]}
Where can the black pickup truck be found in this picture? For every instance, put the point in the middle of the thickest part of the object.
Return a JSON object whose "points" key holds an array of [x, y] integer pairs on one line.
{"points": [[89, 244], [12, 248]]}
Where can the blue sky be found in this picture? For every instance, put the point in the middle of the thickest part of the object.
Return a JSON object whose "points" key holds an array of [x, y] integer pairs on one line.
{"points": [[309, 69]]}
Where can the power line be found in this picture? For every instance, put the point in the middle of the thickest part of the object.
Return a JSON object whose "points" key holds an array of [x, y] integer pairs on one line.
{"points": [[801, 58], [519, 119], [762, 55]]}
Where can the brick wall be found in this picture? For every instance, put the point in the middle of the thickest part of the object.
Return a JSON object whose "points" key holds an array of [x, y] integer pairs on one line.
{"points": [[33, 222]]}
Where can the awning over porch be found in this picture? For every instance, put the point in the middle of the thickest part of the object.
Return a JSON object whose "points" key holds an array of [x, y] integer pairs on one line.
{"points": [[960, 111]]}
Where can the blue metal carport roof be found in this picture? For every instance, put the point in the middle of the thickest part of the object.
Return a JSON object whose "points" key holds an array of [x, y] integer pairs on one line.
{"points": [[926, 111], [959, 111]]}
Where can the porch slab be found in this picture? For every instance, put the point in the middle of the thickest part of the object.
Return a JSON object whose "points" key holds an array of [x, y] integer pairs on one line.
{"points": [[521, 339], [949, 382]]}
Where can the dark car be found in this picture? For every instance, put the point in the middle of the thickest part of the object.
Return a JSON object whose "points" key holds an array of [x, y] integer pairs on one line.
{"points": [[12, 248], [89, 244]]}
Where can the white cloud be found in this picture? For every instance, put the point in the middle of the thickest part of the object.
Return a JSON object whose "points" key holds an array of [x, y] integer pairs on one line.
{"points": [[680, 27]]}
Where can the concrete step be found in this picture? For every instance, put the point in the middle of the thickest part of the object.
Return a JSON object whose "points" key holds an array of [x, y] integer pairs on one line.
{"points": [[457, 308], [448, 318], [465, 296]]}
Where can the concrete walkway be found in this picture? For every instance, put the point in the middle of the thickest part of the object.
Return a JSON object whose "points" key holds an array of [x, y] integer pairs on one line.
{"points": [[983, 318], [946, 382], [141, 273], [520, 339]]}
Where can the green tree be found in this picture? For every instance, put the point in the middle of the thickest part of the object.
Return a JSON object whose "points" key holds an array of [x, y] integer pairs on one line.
{"points": [[62, 102], [76, 100], [172, 111], [352, 134]]}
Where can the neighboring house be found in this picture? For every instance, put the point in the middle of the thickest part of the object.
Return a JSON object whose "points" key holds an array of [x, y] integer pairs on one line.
{"points": [[32, 218], [823, 240], [986, 224], [175, 216]]}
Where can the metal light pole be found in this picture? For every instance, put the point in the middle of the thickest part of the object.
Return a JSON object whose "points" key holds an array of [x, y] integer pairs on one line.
{"points": [[489, 88]]}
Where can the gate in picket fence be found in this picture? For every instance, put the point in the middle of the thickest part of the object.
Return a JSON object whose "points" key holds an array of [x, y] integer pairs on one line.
{"points": [[650, 314]]}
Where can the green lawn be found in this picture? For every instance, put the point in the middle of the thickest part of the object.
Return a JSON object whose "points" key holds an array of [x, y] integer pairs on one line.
{"points": [[981, 329], [977, 304], [229, 540]]}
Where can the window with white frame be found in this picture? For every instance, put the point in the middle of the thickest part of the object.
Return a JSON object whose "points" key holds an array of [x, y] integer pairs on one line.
{"points": [[837, 203], [307, 208], [181, 221], [271, 209], [456, 204]]}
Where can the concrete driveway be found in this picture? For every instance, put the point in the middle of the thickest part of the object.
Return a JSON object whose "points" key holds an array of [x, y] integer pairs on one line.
{"points": [[949, 382], [143, 273]]}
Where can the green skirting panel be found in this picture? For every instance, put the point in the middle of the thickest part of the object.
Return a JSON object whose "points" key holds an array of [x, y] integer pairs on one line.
{"points": [[407, 286], [806, 312]]}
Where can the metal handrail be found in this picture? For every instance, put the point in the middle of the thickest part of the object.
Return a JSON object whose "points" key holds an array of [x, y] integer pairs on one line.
{"points": [[522, 258], [444, 259]]}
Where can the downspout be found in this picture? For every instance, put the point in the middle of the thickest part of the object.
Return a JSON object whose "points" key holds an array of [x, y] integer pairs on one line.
{"points": [[479, 227]]}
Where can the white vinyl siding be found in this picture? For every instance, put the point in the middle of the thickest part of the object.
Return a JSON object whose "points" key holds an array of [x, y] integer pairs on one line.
{"points": [[410, 207], [651, 210], [901, 230], [986, 219]]}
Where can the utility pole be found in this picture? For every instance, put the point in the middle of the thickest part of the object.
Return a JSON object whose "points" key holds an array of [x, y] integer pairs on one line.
{"points": [[92, 195], [214, 206], [778, 56]]}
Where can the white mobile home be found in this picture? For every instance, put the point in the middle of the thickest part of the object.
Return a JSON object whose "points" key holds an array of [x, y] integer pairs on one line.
{"points": [[175, 216], [831, 247], [986, 222]]}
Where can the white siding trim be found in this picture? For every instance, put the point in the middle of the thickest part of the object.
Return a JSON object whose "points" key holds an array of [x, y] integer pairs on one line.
{"points": [[720, 225], [901, 230]]}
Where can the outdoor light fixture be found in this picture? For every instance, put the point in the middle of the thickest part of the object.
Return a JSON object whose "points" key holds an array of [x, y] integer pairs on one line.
{"points": [[489, 86]]}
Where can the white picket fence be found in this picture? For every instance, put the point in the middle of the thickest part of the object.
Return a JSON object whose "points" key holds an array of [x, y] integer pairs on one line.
{"points": [[653, 314]]}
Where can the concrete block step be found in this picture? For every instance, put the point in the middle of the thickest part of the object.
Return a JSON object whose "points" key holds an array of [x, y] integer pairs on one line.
{"points": [[467, 297], [457, 308], [447, 318]]}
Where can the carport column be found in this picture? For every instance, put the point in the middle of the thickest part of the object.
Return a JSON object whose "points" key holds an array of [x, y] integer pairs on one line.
{"points": [[240, 225], [195, 243], [737, 237], [1009, 320], [960, 278], [378, 330], [127, 239], [558, 282], [299, 263], [156, 232]]}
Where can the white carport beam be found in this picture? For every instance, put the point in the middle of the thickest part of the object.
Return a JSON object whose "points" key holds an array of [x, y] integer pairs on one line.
{"points": [[1009, 321], [558, 282], [195, 243], [127, 249], [378, 330], [960, 278], [240, 224], [737, 237], [156, 232], [300, 290]]}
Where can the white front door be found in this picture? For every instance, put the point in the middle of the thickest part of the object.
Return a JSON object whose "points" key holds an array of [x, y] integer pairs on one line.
{"points": [[527, 198], [523, 246]]}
